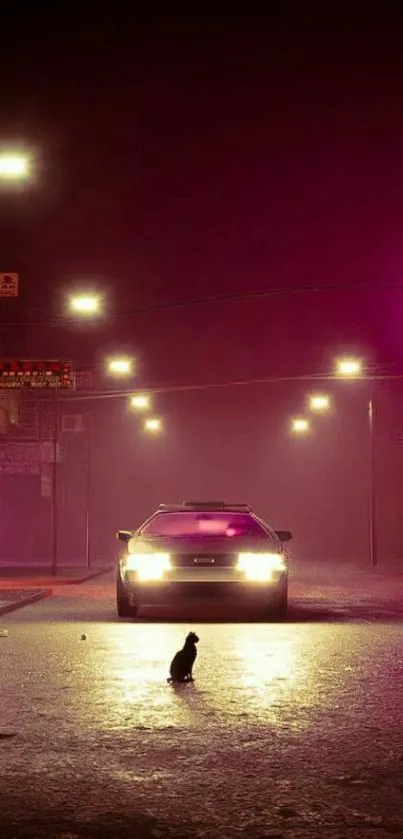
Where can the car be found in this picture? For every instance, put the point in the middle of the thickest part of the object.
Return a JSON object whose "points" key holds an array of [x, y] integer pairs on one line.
{"points": [[202, 550]]}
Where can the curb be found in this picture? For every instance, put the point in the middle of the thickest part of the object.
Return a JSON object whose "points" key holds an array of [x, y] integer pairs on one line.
{"points": [[31, 582], [26, 601], [75, 581]]}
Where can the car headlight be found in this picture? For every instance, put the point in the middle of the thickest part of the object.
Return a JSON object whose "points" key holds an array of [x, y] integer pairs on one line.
{"points": [[150, 566], [259, 567]]}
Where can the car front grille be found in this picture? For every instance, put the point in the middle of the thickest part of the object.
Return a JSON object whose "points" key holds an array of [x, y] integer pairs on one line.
{"points": [[204, 560]]}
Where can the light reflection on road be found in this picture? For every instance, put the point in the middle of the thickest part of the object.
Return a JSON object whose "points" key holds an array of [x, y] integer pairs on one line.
{"points": [[276, 675], [242, 671], [302, 715]]}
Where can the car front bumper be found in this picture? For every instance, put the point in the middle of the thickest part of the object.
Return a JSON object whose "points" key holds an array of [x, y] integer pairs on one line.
{"points": [[178, 589]]}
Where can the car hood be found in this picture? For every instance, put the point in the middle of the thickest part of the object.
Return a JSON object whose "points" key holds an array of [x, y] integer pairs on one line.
{"points": [[202, 545]]}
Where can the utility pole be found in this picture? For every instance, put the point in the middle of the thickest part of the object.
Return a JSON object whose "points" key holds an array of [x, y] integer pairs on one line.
{"points": [[88, 493], [373, 529], [54, 485]]}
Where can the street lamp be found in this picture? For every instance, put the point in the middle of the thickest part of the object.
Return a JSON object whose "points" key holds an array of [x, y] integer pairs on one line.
{"points": [[13, 166], [85, 304], [153, 424], [348, 367], [319, 402], [352, 368], [299, 425], [140, 401], [121, 366]]}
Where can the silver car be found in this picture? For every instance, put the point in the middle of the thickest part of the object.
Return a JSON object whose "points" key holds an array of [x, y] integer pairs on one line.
{"points": [[203, 550]]}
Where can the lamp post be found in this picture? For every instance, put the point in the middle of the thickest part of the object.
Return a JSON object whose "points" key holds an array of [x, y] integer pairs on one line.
{"points": [[140, 401], [153, 425], [351, 368], [85, 305], [54, 509], [88, 494], [373, 534], [34, 311], [300, 425], [319, 402], [120, 366], [348, 368], [13, 166]]}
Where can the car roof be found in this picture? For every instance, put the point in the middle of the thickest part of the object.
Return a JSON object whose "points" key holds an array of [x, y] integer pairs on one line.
{"points": [[204, 506]]}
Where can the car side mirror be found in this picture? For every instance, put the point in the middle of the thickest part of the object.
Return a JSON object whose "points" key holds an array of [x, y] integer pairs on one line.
{"points": [[284, 535], [123, 535]]}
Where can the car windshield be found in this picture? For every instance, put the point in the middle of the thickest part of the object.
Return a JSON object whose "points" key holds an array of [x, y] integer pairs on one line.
{"points": [[230, 525]]}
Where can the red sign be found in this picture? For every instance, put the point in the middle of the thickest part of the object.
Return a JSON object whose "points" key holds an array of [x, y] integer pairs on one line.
{"points": [[26, 373]]}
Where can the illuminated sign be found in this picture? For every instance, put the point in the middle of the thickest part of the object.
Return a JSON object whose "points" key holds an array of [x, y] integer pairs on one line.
{"points": [[25, 373]]}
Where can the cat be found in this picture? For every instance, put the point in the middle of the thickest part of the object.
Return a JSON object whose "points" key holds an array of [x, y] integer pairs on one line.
{"points": [[182, 663]]}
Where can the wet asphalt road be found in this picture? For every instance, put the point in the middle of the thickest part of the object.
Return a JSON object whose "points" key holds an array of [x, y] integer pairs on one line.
{"points": [[290, 730]]}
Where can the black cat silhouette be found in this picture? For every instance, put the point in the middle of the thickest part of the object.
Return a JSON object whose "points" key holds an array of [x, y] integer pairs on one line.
{"points": [[182, 663]]}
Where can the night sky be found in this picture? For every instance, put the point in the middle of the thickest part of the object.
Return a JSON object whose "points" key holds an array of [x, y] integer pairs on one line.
{"points": [[180, 159]]}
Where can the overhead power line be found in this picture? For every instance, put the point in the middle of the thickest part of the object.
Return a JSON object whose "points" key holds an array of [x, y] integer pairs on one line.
{"points": [[364, 286], [312, 377]]}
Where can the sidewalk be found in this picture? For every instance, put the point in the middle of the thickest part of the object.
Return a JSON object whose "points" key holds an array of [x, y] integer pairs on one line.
{"points": [[12, 599], [347, 583], [347, 572], [29, 578]]}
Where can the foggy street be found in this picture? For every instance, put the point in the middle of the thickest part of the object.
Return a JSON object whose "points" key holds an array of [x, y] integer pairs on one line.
{"points": [[201, 393], [290, 730]]}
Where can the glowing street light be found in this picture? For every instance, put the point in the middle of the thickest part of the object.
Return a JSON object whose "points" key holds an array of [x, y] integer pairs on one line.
{"points": [[299, 425], [319, 402], [120, 366], [85, 304], [153, 424], [140, 401], [348, 367], [13, 167]]}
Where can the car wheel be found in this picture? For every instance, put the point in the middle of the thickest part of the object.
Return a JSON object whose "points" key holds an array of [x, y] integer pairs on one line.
{"points": [[279, 608], [124, 608]]}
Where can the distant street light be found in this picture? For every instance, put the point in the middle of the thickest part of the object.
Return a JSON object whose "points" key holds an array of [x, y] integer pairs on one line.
{"points": [[300, 425], [153, 424], [13, 166], [319, 402], [85, 304], [140, 401], [120, 366], [348, 367]]}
